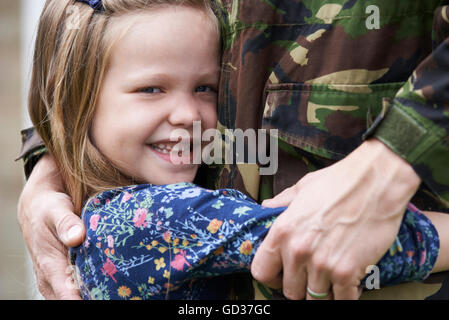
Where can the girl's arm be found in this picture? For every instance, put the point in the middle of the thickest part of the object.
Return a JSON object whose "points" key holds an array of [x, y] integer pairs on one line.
{"points": [[148, 239], [441, 223], [144, 240]]}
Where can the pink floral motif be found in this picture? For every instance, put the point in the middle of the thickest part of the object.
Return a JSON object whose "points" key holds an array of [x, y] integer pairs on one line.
{"points": [[109, 269], [167, 236], [126, 197], [139, 217], [412, 207], [423, 257], [94, 222], [110, 241], [419, 236], [87, 242], [179, 261]]}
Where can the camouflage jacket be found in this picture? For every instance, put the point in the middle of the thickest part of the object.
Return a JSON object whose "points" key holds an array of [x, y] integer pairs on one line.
{"points": [[327, 74], [330, 73]]}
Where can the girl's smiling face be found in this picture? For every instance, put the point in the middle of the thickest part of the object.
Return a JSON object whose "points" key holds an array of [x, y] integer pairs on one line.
{"points": [[162, 76]]}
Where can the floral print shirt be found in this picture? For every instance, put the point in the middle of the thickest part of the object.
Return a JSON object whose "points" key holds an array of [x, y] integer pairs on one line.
{"points": [[177, 241]]}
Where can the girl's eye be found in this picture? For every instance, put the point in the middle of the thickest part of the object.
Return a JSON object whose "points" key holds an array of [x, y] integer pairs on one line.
{"points": [[150, 90], [205, 89]]}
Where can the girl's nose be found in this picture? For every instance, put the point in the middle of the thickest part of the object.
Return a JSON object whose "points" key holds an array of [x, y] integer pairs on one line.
{"points": [[184, 112]]}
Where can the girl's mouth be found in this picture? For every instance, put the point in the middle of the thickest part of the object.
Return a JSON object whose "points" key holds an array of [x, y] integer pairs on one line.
{"points": [[173, 153]]}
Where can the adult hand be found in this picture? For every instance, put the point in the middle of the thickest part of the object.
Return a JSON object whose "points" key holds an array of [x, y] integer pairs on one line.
{"points": [[339, 220], [46, 217]]}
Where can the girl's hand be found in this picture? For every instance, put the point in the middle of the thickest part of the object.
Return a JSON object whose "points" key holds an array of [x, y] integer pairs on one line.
{"points": [[49, 225], [340, 220]]}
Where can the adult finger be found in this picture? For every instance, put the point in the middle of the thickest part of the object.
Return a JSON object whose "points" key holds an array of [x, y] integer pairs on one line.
{"points": [[64, 286], [275, 283], [60, 287], [346, 292], [294, 282], [319, 286], [283, 199], [266, 266], [55, 281], [44, 287], [346, 282], [67, 226]]}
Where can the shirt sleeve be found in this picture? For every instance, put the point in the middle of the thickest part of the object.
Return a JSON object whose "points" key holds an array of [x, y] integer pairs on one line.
{"points": [[161, 238], [156, 241], [32, 150], [413, 254], [416, 123]]}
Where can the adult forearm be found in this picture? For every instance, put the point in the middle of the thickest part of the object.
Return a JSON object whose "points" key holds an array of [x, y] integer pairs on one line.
{"points": [[46, 174]]}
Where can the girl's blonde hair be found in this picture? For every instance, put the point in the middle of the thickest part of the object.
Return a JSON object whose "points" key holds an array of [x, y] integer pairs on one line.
{"points": [[70, 61]]}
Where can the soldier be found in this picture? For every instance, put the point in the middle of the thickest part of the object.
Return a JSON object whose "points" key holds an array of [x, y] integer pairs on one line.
{"points": [[358, 93]]}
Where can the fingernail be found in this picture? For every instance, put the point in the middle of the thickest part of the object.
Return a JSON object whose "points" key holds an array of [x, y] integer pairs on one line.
{"points": [[266, 203], [74, 232]]}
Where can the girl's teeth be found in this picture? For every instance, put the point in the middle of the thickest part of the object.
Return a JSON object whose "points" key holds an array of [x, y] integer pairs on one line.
{"points": [[162, 148]]}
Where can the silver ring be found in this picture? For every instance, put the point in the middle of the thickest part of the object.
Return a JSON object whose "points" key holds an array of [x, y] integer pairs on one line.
{"points": [[317, 295]]}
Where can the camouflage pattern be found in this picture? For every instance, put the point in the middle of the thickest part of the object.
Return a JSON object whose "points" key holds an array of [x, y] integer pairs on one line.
{"points": [[313, 70]]}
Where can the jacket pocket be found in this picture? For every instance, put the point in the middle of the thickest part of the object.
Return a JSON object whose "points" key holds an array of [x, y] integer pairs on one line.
{"points": [[327, 120]]}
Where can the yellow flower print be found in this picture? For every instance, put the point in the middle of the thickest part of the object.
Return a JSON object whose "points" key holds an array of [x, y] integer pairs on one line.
{"points": [[166, 274], [159, 263], [124, 291], [154, 243], [214, 225], [185, 242], [193, 236], [150, 280], [136, 298], [176, 242], [246, 248], [149, 246], [162, 249]]}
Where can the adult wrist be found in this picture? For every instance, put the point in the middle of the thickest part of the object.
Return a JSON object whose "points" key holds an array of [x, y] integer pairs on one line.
{"points": [[418, 140], [388, 178]]}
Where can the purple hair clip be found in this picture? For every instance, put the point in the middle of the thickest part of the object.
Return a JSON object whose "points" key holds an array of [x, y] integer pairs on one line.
{"points": [[97, 5]]}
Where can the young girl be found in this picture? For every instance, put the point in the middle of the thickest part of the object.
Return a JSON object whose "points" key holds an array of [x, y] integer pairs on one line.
{"points": [[105, 97]]}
